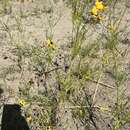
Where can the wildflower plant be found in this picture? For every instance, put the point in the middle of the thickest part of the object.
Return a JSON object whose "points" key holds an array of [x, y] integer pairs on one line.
{"points": [[97, 10], [22, 102], [84, 80]]}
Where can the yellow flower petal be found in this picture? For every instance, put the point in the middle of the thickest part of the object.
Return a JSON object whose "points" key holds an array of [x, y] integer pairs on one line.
{"points": [[94, 10], [22, 102], [51, 44], [99, 5], [48, 128]]}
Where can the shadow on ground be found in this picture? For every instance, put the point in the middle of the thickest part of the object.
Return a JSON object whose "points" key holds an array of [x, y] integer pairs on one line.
{"points": [[12, 118]]}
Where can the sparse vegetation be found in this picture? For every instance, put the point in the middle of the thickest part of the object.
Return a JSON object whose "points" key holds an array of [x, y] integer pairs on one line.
{"points": [[66, 63]]}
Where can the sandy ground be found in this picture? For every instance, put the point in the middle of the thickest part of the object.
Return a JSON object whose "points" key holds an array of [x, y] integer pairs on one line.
{"points": [[33, 27]]}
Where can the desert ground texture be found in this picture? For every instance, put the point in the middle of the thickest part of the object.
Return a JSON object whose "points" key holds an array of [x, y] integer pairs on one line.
{"points": [[66, 63]]}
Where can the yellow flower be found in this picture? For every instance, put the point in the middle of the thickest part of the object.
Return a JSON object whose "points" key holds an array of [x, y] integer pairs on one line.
{"points": [[94, 10], [48, 128], [22, 102], [50, 44], [29, 119], [99, 5]]}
